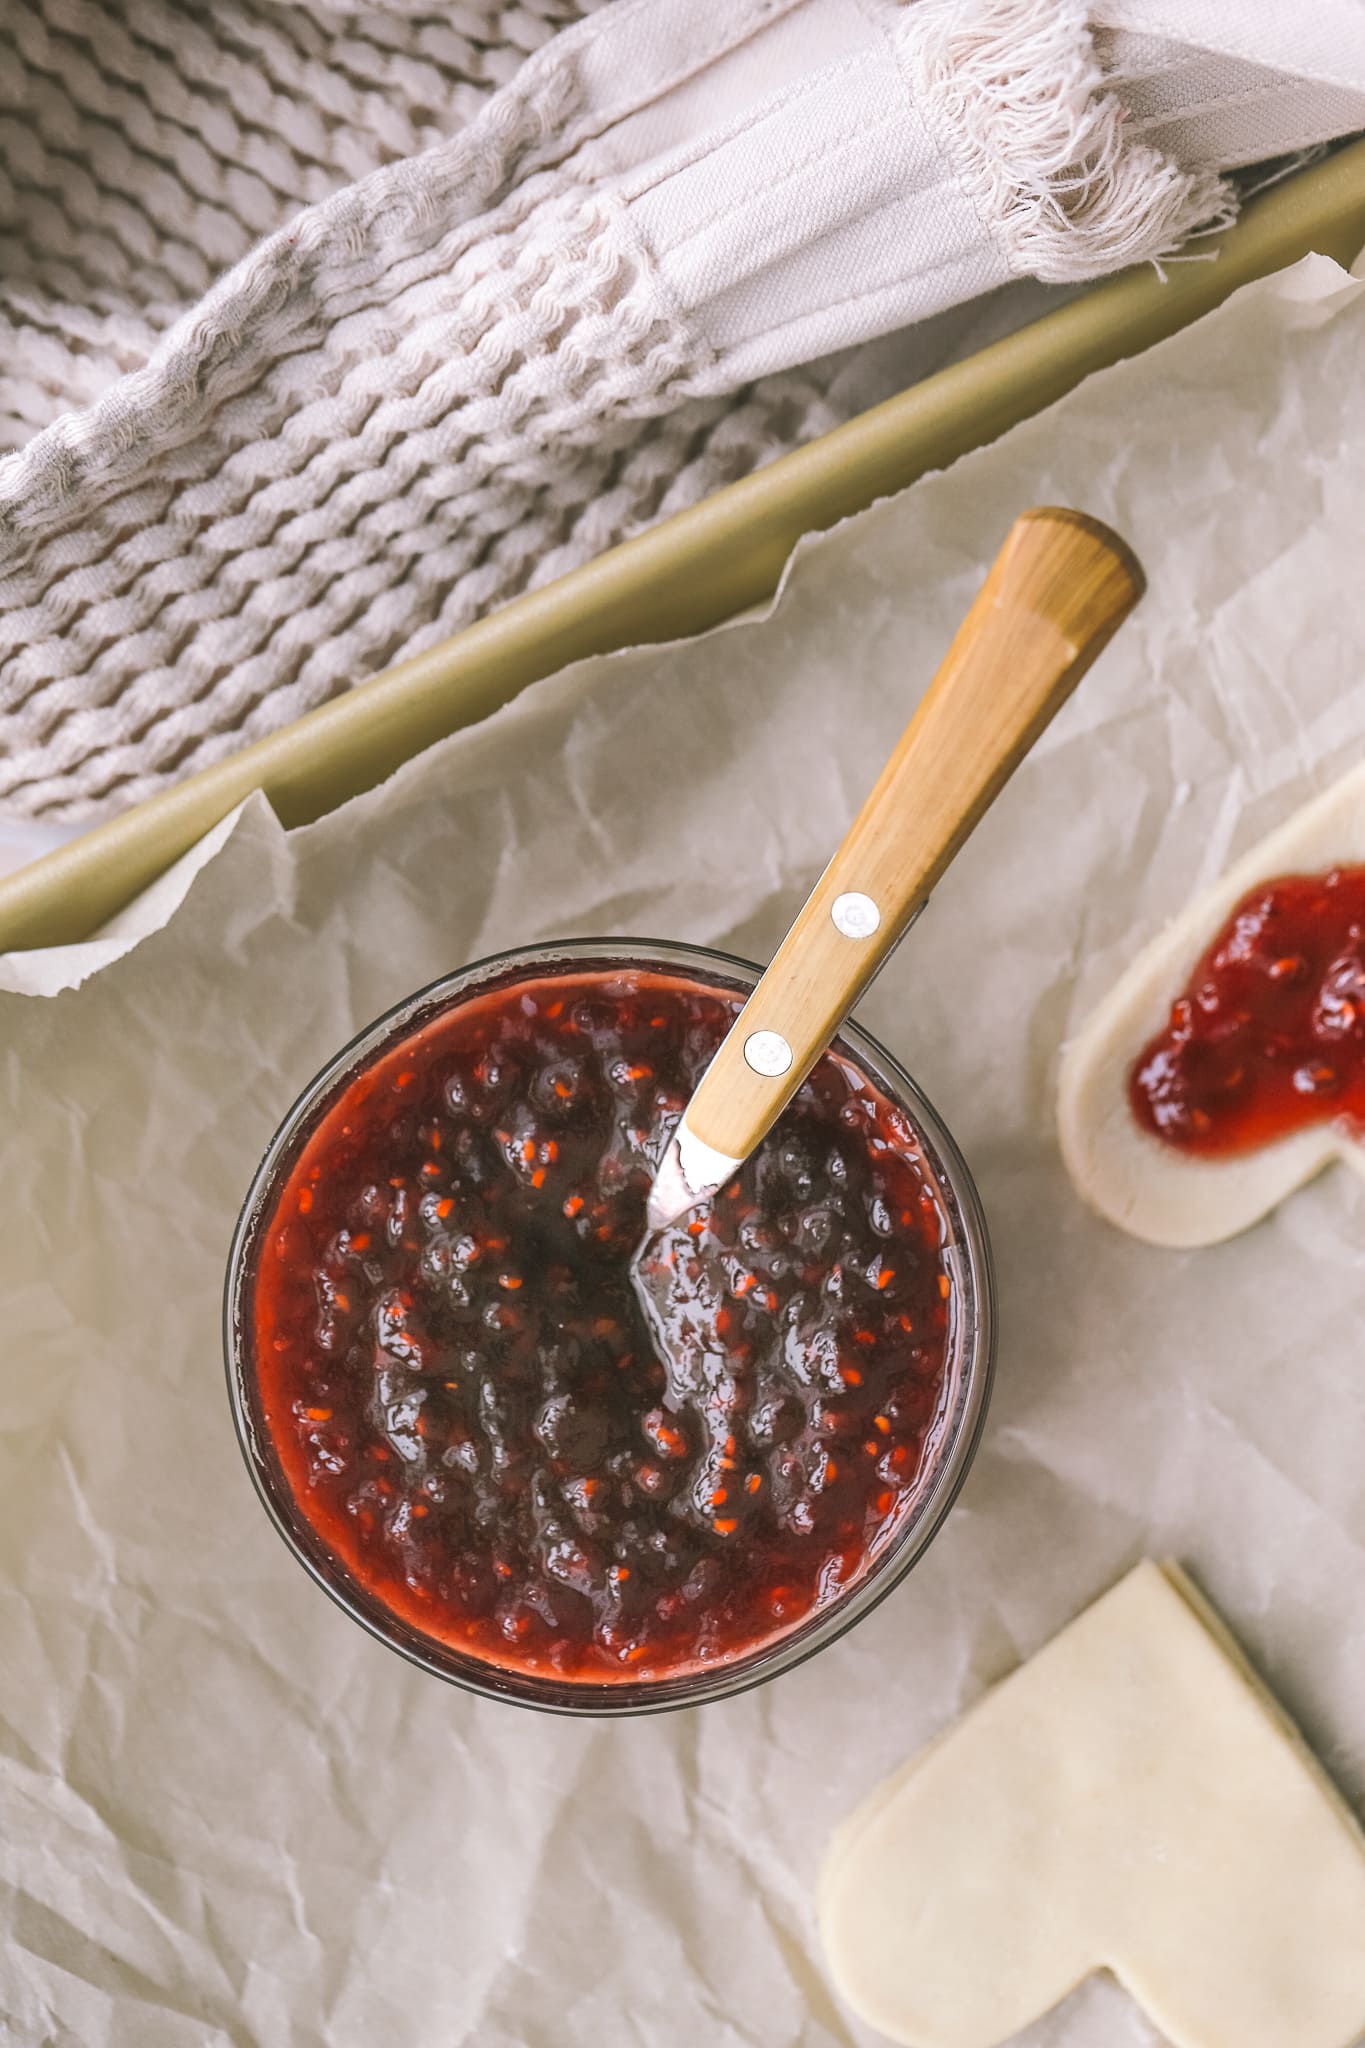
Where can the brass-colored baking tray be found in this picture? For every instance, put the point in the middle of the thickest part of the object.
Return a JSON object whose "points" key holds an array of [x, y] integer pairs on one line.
{"points": [[689, 573]]}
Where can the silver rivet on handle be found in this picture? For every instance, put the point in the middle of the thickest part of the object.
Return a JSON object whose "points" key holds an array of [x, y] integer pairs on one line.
{"points": [[768, 1052], [855, 915]]}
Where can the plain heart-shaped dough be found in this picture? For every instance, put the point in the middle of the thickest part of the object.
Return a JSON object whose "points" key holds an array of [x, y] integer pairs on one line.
{"points": [[1131, 1798], [1130, 1176]]}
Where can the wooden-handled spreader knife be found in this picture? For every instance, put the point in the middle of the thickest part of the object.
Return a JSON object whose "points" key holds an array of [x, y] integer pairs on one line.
{"points": [[1059, 588]]}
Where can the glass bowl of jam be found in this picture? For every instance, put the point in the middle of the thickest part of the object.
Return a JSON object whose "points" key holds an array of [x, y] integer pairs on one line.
{"points": [[479, 1439]]}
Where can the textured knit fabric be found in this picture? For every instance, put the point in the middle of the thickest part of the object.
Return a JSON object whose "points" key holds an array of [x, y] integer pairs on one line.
{"points": [[262, 452], [145, 150]]}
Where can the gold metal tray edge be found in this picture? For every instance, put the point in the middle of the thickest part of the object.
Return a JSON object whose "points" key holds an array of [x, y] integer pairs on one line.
{"points": [[685, 575]]}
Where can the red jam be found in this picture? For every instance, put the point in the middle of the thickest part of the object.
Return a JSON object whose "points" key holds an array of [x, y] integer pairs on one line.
{"points": [[1270, 1033], [460, 1387]]}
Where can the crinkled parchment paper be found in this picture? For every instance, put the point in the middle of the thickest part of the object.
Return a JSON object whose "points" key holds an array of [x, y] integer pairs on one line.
{"points": [[230, 1817]]}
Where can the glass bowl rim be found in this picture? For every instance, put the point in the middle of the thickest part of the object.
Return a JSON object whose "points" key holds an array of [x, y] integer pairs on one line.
{"points": [[614, 1699]]}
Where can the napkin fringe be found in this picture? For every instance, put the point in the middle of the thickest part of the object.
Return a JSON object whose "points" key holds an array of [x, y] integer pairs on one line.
{"points": [[1016, 100]]}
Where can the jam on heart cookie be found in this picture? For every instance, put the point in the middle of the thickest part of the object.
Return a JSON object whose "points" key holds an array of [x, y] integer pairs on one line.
{"points": [[1130, 1799], [1268, 1034], [1227, 1066]]}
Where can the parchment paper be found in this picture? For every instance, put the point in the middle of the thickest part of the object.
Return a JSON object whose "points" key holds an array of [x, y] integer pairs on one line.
{"points": [[230, 1817]]}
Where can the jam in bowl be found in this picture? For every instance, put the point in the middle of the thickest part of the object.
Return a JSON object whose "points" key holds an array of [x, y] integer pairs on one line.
{"points": [[497, 1455]]}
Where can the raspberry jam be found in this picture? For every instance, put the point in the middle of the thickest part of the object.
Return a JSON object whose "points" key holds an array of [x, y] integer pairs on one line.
{"points": [[451, 1374], [1269, 1035]]}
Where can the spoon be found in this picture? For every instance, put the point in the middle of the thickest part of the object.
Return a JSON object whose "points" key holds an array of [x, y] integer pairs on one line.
{"points": [[1058, 590]]}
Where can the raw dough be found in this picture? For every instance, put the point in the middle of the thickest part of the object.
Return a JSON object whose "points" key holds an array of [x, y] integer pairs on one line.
{"points": [[1131, 1798], [1133, 1178]]}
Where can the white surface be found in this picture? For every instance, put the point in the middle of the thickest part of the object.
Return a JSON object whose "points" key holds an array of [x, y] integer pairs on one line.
{"points": [[1132, 1177], [229, 1817], [1131, 1798]]}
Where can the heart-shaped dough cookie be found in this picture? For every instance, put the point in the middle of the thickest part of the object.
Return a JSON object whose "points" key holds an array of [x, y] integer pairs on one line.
{"points": [[1131, 1798], [1132, 1177]]}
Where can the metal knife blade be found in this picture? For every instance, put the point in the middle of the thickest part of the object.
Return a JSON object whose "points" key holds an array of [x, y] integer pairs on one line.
{"points": [[690, 1172]]}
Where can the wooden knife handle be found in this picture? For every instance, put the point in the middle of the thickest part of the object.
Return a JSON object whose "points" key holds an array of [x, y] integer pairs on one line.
{"points": [[1058, 590]]}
